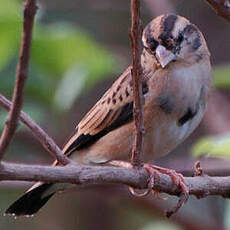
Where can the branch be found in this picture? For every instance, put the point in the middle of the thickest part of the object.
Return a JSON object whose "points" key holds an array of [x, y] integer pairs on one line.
{"points": [[82, 174], [21, 76], [135, 36], [89, 175], [221, 7], [46, 141], [209, 165]]}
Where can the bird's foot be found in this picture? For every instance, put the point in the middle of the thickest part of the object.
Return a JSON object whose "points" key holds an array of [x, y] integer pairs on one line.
{"points": [[177, 179], [154, 173]]}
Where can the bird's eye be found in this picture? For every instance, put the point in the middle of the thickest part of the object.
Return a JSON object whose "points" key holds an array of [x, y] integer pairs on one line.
{"points": [[152, 43], [180, 37]]}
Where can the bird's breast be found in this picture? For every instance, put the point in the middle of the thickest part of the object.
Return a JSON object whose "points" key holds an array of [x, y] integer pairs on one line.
{"points": [[167, 133]]}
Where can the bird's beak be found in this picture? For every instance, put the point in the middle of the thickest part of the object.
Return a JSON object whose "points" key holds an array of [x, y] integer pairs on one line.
{"points": [[164, 56]]}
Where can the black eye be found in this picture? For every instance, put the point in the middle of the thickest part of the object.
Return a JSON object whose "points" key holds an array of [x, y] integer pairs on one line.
{"points": [[180, 37], [152, 43]]}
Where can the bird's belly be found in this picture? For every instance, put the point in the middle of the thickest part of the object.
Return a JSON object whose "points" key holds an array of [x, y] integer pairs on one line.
{"points": [[169, 134], [116, 145]]}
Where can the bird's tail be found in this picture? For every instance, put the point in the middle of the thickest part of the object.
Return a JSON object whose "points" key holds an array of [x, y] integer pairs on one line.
{"points": [[32, 200]]}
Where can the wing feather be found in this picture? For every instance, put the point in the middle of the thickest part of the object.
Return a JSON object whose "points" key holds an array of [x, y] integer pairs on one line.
{"points": [[114, 109], [108, 108]]}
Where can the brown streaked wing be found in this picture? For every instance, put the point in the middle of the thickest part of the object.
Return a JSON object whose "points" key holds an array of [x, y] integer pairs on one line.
{"points": [[111, 111]]}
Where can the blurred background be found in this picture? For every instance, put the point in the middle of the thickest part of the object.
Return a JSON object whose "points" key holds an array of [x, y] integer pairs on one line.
{"points": [[79, 48]]}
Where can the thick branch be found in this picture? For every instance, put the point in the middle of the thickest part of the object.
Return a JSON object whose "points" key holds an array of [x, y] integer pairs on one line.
{"points": [[135, 36], [21, 76], [86, 175], [96, 174], [46, 141], [221, 7]]}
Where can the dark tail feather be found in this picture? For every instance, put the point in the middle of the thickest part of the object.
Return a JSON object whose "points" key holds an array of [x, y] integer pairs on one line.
{"points": [[31, 201]]}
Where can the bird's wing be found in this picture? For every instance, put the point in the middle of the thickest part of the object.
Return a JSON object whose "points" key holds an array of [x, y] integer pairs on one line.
{"points": [[114, 109]]}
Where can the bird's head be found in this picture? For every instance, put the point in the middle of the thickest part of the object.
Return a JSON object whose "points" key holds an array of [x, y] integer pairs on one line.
{"points": [[172, 38]]}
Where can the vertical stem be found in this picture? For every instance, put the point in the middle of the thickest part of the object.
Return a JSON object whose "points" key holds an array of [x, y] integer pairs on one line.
{"points": [[21, 76], [135, 36]]}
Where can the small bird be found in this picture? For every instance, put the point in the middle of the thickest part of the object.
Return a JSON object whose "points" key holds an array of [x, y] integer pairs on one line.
{"points": [[176, 83]]}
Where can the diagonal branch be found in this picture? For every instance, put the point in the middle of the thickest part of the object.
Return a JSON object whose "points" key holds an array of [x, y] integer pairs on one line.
{"points": [[221, 7], [135, 36], [21, 76], [46, 141]]}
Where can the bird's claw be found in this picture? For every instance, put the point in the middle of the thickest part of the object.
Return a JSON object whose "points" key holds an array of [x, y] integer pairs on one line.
{"points": [[177, 179], [154, 172]]}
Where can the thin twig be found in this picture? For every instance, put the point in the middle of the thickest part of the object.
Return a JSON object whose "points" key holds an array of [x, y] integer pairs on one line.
{"points": [[221, 7], [135, 36], [21, 76], [46, 141]]}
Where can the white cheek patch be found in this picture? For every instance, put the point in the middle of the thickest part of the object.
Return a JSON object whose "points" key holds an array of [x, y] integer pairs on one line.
{"points": [[178, 27]]}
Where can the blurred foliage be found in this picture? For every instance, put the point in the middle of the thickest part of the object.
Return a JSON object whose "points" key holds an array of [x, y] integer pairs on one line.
{"points": [[10, 30], [222, 76], [161, 225], [217, 146], [60, 55]]}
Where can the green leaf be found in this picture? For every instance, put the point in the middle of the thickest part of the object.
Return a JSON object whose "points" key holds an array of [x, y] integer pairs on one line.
{"points": [[222, 76], [9, 42], [11, 9], [217, 146], [10, 24]]}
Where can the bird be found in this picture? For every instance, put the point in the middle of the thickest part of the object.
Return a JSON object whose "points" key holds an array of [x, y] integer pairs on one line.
{"points": [[176, 82]]}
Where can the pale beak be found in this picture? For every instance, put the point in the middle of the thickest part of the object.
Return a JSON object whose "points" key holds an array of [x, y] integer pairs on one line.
{"points": [[164, 56]]}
